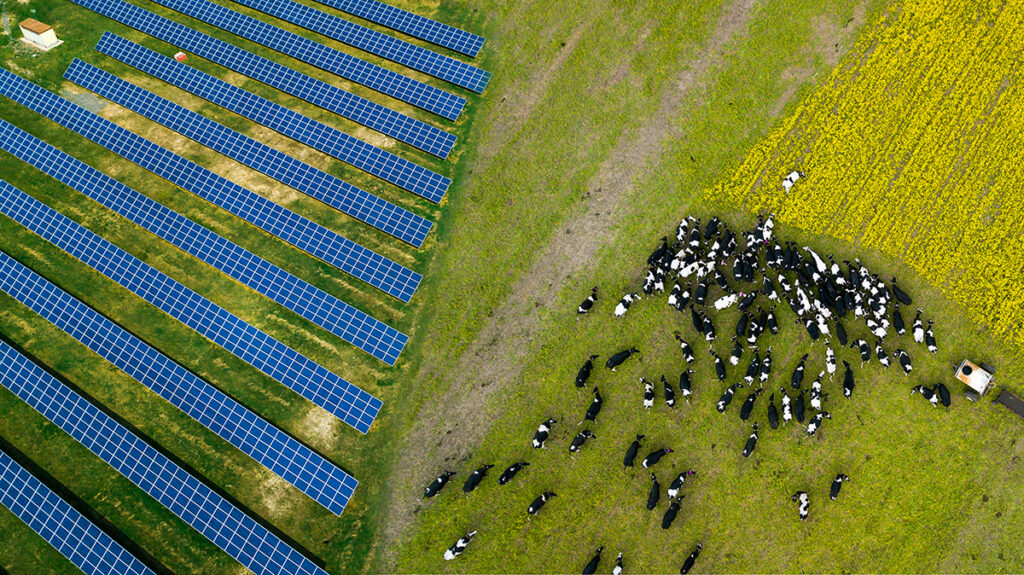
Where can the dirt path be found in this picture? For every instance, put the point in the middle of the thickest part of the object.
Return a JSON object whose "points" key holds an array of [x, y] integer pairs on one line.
{"points": [[498, 353]]}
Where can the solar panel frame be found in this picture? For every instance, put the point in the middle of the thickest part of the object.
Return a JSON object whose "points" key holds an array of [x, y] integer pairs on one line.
{"points": [[356, 108], [388, 47], [318, 478], [334, 192], [83, 544], [302, 375], [383, 80], [371, 159], [412, 24], [314, 239], [354, 326], [195, 503]]}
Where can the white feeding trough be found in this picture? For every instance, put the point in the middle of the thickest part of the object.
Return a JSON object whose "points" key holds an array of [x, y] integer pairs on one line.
{"points": [[977, 378]]}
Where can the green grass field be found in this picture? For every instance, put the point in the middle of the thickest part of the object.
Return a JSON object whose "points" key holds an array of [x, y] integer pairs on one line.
{"points": [[601, 127]]}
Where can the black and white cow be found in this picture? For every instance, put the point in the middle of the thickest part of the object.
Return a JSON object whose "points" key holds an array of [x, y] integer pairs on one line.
{"points": [[591, 567], [584, 373], [539, 502], [511, 472], [751, 442], [754, 369], [816, 392], [805, 503], [815, 423], [617, 570], [943, 394], [670, 513], [927, 393], [631, 451], [438, 484], [654, 457], [685, 384], [619, 358], [798, 407], [648, 393], [918, 329], [542, 434], [773, 413], [837, 484], [830, 361], [580, 439], [719, 365], [654, 494], [475, 478], [459, 546], [687, 351], [726, 398], [904, 360], [883, 358], [670, 392], [848, 383], [737, 352], [766, 366], [623, 306], [748, 405], [691, 559], [798, 374], [595, 407], [588, 303], [929, 338], [791, 179], [787, 410], [677, 483]]}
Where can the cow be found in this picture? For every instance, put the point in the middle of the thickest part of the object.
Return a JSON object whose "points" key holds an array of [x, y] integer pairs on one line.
{"points": [[654, 494], [438, 484], [787, 412], [670, 513], [748, 405], [684, 384], [900, 294], [798, 374], [591, 567], [816, 392], [619, 358], [539, 502], [719, 365], [687, 351], [459, 546], [584, 373], [648, 393], [588, 303], [926, 393], [594, 409], [883, 358], [791, 179], [918, 329], [726, 398], [580, 439], [737, 352], [542, 434], [670, 393], [627, 461], [943, 394], [654, 457], [751, 442], [773, 413], [805, 503], [766, 365], [830, 361], [837, 484], [798, 407], [511, 472], [929, 338], [847, 380], [816, 421], [623, 306], [691, 559], [904, 360], [753, 369], [475, 478], [677, 483], [897, 320]]}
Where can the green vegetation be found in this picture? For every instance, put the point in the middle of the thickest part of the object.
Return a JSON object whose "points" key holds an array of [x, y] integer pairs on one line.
{"points": [[602, 124]]}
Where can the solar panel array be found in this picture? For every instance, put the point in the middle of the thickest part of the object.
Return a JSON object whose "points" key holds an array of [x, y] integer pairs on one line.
{"points": [[385, 81], [296, 463], [300, 374], [400, 51], [322, 94], [345, 321], [412, 24], [207, 512], [342, 146], [380, 272], [334, 192], [84, 544]]}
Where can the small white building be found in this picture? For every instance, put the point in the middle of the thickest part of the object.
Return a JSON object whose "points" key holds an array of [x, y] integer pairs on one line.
{"points": [[39, 35]]}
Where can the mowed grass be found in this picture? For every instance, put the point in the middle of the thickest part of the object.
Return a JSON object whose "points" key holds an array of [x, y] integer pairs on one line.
{"points": [[932, 490]]}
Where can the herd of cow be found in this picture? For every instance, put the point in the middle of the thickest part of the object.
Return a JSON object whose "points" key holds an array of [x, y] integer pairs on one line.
{"points": [[820, 293]]}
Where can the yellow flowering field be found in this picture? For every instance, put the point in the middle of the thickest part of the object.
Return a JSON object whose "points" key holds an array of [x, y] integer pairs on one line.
{"points": [[914, 146]]}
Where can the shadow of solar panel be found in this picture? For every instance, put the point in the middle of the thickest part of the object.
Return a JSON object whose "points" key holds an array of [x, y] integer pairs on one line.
{"points": [[332, 191], [342, 146], [202, 508], [251, 434], [300, 374], [341, 319], [84, 544], [399, 51], [346, 255], [412, 24], [385, 81], [345, 104]]}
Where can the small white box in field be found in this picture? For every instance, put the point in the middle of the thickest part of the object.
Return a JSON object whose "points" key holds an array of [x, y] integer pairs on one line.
{"points": [[39, 35], [180, 56]]}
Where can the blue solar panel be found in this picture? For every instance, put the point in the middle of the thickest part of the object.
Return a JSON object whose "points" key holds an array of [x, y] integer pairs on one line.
{"points": [[400, 51], [370, 114], [84, 544], [342, 146], [214, 517], [304, 234], [300, 374], [336, 193], [323, 309], [337, 62], [412, 24], [253, 435]]}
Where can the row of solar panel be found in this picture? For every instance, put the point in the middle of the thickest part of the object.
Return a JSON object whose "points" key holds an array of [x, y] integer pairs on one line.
{"points": [[345, 321], [195, 503]]}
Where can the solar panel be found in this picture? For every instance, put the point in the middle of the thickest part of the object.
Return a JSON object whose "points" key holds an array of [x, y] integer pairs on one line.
{"points": [[84, 544], [211, 515], [253, 435], [412, 24], [400, 51], [385, 81], [345, 104], [342, 146], [300, 374], [346, 255], [341, 319], [334, 192]]}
